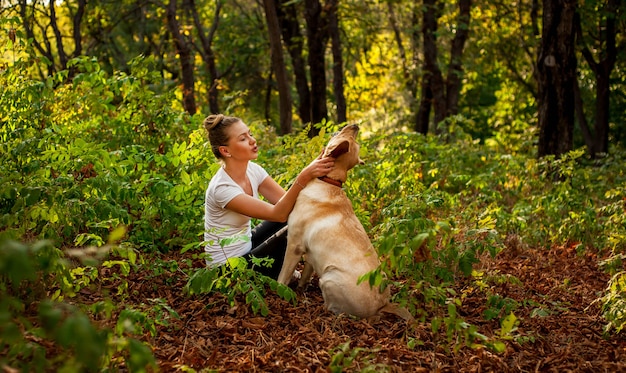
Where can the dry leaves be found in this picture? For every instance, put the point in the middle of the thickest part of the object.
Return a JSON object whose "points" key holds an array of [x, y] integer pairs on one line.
{"points": [[305, 337]]}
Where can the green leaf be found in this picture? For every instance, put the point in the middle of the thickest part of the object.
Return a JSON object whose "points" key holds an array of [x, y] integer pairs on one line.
{"points": [[50, 316], [508, 325], [466, 261], [117, 234], [186, 179], [418, 241], [140, 356], [498, 346]]}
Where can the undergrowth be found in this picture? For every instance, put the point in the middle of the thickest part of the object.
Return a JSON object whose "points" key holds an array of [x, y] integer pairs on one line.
{"points": [[101, 165]]}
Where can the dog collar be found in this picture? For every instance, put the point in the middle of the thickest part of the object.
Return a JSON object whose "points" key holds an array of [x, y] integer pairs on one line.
{"points": [[330, 181]]}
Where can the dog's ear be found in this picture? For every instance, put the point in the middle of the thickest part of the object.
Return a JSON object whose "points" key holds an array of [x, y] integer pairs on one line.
{"points": [[336, 150]]}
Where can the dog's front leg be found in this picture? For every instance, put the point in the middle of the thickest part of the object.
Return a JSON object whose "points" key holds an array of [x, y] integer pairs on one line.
{"points": [[307, 272], [292, 257]]}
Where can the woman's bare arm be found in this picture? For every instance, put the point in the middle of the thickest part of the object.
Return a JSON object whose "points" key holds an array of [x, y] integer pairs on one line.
{"points": [[284, 201]]}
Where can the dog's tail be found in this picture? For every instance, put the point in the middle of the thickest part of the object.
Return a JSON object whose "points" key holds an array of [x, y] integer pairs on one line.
{"points": [[395, 309]]}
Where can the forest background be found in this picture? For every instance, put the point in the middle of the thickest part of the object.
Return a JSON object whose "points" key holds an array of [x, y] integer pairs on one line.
{"points": [[487, 128]]}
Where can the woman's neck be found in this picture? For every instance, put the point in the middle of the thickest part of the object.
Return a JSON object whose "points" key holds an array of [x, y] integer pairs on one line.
{"points": [[236, 169]]}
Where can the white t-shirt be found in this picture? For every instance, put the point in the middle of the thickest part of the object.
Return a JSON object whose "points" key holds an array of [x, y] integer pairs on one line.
{"points": [[221, 223]]}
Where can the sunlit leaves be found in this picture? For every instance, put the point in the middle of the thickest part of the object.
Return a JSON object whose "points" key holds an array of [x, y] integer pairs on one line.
{"points": [[614, 303], [87, 163], [236, 279], [131, 178]]}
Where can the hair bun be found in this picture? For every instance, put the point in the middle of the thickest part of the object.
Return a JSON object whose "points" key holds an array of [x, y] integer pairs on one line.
{"points": [[213, 121]]}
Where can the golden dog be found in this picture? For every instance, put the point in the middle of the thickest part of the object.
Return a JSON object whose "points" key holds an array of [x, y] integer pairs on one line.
{"points": [[324, 229]]}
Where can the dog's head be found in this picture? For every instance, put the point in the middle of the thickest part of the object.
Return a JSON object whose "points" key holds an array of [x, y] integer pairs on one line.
{"points": [[344, 148]]}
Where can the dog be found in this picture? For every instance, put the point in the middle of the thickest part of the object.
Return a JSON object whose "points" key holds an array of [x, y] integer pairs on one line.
{"points": [[324, 229]]}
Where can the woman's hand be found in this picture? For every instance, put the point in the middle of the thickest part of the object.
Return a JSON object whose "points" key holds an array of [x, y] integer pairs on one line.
{"points": [[318, 168]]}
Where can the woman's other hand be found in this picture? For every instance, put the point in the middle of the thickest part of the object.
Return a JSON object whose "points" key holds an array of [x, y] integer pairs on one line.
{"points": [[318, 168]]}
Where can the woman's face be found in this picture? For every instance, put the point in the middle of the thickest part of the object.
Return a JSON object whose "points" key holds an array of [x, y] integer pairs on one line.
{"points": [[241, 144]]}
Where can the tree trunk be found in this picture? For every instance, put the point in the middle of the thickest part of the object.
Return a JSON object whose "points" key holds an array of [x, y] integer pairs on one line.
{"points": [[556, 71], [397, 37], [432, 80], [267, 102], [333, 26], [317, 35], [278, 64], [455, 69], [602, 71], [408, 67], [185, 57], [32, 18], [423, 112], [288, 16], [206, 48], [601, 125], [582, 119], [57, 35], [77, 20]]}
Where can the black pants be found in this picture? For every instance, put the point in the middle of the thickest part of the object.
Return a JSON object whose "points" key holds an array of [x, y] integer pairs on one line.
{"points": [[269, 240]]}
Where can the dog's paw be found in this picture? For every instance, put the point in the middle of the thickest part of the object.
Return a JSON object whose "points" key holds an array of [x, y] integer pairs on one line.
{"points": [[295, 277]]}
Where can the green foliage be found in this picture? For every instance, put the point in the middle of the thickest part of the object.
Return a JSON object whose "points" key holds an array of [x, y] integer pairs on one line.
{"points": [[345, 358], [136, 322], [434, 210], [81, 345], [101, 164], [614, 304], [235, 279], [98, 152]]}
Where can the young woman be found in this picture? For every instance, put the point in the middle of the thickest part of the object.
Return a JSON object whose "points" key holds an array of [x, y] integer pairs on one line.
{"points": [[232, 197]]}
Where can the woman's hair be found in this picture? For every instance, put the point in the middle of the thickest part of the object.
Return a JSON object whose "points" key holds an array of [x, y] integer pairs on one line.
{"points": [[216, 126]]}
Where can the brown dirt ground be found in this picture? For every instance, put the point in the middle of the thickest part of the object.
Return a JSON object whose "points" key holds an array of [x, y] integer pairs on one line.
{"points": [[566, 337]]}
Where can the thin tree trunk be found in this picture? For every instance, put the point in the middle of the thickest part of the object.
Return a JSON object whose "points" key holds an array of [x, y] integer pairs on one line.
{"points": [[76, 22], [602, 71], [423, 112], [413, 76], [601, 125], [288, 16], [455, 69], [333, 26], [317, 35], [185, 57], [582, 120], [208, 56], [29, 21], [57, 35], [407, 71], [278, 64], [267, 102], [431, 69]]}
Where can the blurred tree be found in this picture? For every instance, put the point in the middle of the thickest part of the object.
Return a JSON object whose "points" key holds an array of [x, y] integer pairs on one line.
{"points": [[438, 93], [117, 32], [317, 38], [408, 63], [601, 39], [294, 42], [185, 56], [206, 51], [556, 75], [45, 28], [322, 25], [401, 61], [337, 53], [278, 66]]}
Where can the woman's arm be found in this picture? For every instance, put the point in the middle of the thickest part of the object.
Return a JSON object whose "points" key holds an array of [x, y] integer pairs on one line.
{"points": [[280, 202], [271, 190]]}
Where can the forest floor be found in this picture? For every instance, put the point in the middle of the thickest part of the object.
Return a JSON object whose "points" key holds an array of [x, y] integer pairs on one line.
{"points": [[559, 330]]}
